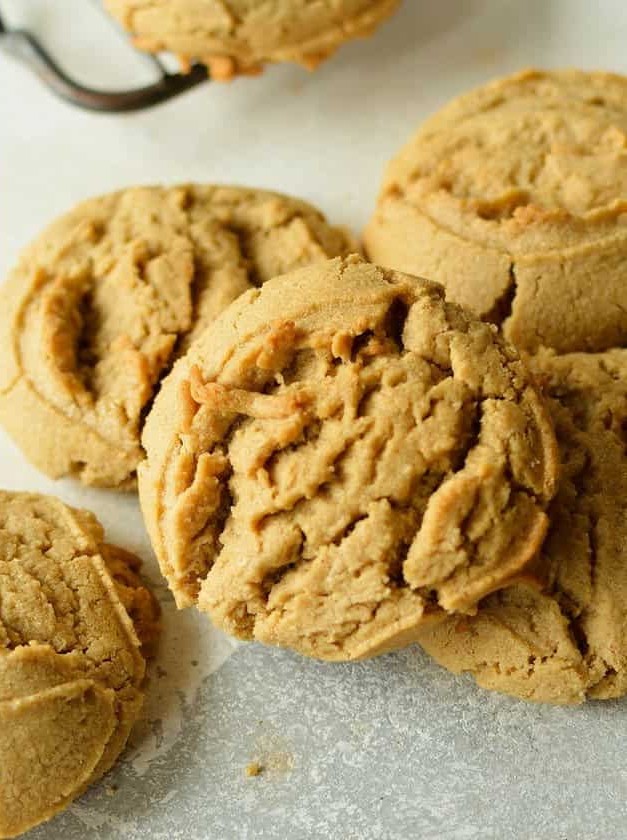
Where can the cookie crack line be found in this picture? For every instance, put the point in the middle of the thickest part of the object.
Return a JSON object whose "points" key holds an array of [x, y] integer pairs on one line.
{"points": [[244, 404], [503, 306]]}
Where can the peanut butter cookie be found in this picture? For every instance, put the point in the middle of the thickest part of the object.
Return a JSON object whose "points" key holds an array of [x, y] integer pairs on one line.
{"points": [[103, 301], [514, 197], [71, 669], [240, 36], [341, 457], [569, 642]]}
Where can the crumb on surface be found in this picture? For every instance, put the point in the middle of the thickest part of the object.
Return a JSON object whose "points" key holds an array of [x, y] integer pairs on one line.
{"points": [[253, 769]]}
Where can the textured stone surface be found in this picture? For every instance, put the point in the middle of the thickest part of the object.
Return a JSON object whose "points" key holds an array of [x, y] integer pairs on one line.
{"points": [[388, 749]]}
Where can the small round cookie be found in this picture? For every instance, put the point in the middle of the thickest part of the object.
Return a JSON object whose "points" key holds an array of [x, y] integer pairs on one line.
{"points": [[514, 196], [341, 457], [241, 36], [71, 670], [103, 301], [569, 642]]}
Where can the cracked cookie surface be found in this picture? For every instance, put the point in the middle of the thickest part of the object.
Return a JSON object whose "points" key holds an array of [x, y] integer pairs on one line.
{"points": [[71, 667], [514, 196], [104, 300], [240, 36], [568, 642], [341, 457]]}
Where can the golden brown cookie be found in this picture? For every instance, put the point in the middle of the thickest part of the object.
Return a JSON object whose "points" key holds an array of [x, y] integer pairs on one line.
{"points": [[514, 196], [341, 457], [569, 642], [140, 604], [71, 671], [240, 36], [103, 301]]}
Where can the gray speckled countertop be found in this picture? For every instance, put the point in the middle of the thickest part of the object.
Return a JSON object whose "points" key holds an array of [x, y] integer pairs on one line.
{"points": [[390, 749], [395, 748]]}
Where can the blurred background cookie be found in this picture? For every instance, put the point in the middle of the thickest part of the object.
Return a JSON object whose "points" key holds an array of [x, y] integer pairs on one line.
{"points": [[241, 36], [342, 457], [514, 196], [568, 643], [104, 300], [71, 668]]}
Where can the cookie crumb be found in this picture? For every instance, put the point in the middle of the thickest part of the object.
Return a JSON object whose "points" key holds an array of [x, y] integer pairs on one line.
{"points": [[253, 769]]}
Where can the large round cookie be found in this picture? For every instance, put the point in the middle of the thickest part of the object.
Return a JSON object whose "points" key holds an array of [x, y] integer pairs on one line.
{"points": [[569, 642], [341, 457], [101, 303], [71, 668], [242, 35], [514, 197]]}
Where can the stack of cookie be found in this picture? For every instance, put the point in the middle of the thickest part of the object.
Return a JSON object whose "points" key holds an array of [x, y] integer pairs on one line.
{"points": [[332, 456]]}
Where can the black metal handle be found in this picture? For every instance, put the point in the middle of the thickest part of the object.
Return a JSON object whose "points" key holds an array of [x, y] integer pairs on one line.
{"points": [[26, 48]]}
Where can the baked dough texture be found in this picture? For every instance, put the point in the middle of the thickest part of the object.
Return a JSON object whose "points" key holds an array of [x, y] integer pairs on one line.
{"points": [[514, 196], [569, 642], [71, 667], [341, 457], [101, 303], [240, 36]]}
